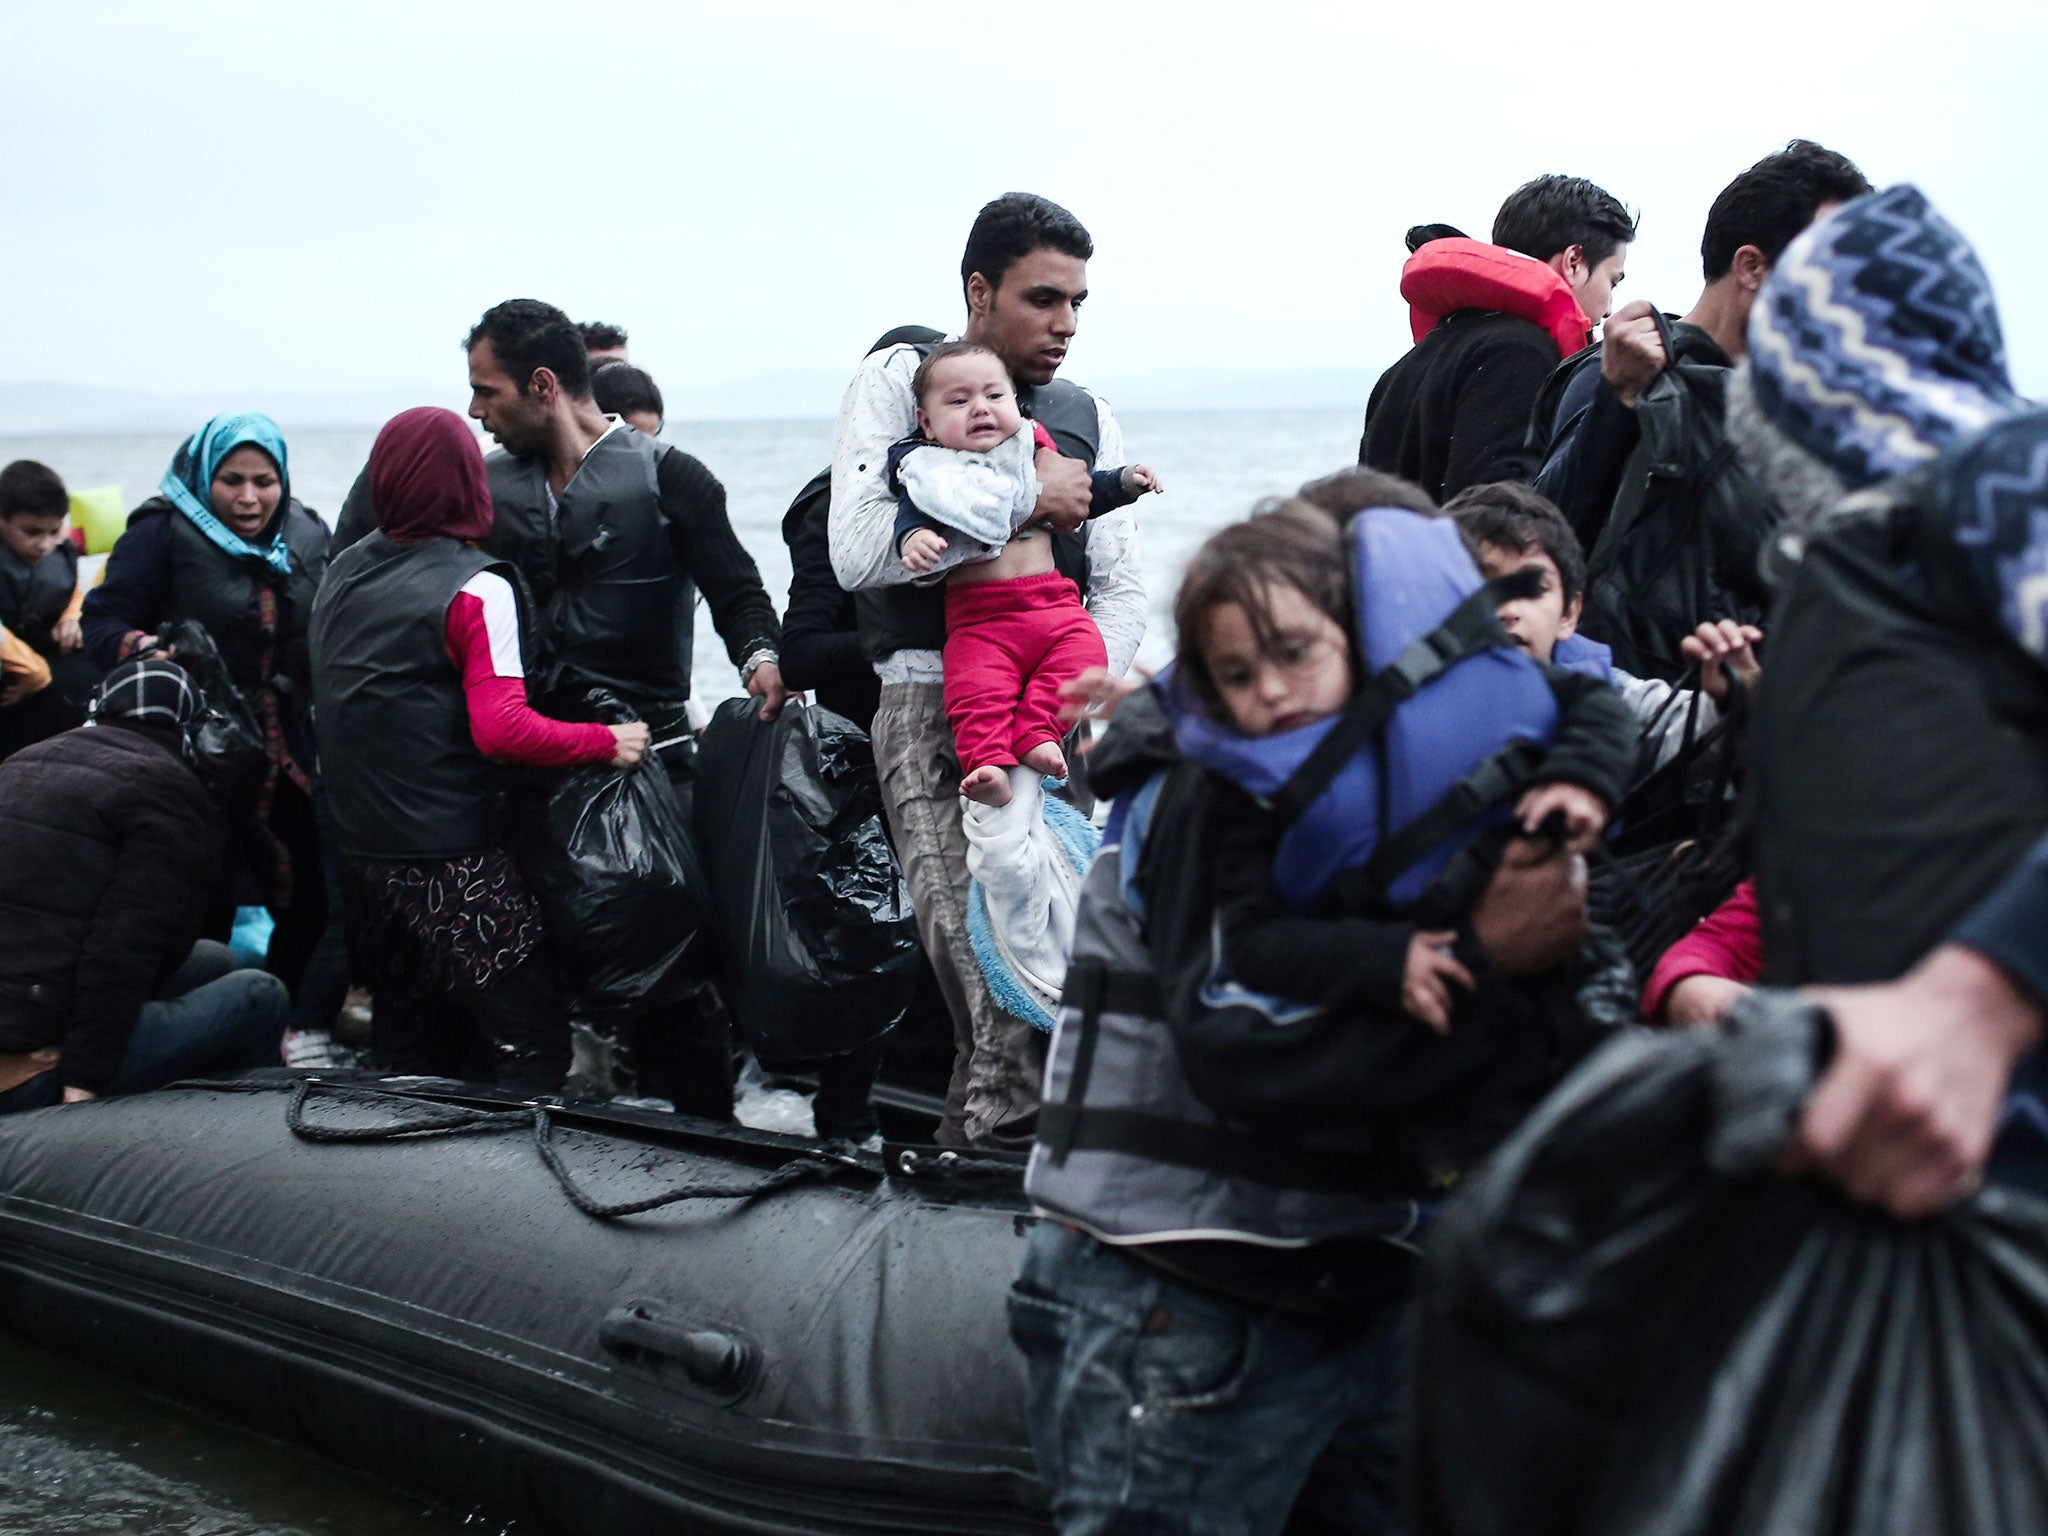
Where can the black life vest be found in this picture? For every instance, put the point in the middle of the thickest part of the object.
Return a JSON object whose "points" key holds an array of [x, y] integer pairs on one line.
{"points": [[913, 618], [220, 590], [1901, 747], [617, 608], [402, 769], [33, 597]]}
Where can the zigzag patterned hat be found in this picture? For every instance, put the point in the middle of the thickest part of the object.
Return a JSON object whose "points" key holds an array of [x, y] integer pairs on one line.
{"points": [[1876, 342]]}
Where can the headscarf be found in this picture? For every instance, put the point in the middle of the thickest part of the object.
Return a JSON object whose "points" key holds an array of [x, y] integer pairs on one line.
{"points": [[188, 483], [427, 478], [146, 691], [1874, 345]]}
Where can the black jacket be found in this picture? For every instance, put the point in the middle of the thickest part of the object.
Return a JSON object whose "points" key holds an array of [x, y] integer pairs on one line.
{"points": [[1672, 521], [108, 854], [1455, 411], [821, 648]]}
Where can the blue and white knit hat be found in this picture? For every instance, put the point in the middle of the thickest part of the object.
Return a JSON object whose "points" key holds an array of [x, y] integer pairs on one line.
{"points": [[1875, 343]]}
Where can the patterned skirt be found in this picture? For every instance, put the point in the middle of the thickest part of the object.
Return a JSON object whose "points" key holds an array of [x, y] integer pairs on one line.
{"points": [[442, 925]]}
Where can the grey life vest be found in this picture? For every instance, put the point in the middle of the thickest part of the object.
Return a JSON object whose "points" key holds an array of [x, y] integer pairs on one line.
{"points": [[1127, 1150], [617, 608], [33, 597], [913, 618], [401, 767]]}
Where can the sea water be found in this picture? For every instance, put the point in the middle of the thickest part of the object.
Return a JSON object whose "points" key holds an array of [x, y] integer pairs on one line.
{"points": [[82, 1451]]}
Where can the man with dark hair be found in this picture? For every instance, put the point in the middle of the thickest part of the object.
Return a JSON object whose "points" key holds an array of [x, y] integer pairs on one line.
{"points": [[630, 394], [1024, 275], [1489, 329], [1631, 431], [603, 343]]}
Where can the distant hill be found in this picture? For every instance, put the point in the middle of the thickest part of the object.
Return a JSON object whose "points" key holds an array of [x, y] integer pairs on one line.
{"points": [[39, 408]]}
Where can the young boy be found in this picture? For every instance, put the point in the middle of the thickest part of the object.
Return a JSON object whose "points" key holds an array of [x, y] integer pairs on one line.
{"points": [[1016, 630], [39, 604], [1509, 527]]}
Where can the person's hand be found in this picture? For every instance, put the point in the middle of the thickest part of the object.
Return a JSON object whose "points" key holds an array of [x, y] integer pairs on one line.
{"points": [[1905, 1114], [1096, 693], [629, 742], [1698, 1000], [1428, 976], [68, 633], [1585, 817], [1063, 490], [1532, 915], [1631, 350], [766, 685], [138, 642], [13, 688], [79, 1096], [921, 550], [1144, 479], [1723, 642]]}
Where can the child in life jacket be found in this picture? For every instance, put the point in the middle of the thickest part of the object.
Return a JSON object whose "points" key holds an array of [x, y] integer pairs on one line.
{"points": [[1354, 899], [1015, 627], [45, 675]]}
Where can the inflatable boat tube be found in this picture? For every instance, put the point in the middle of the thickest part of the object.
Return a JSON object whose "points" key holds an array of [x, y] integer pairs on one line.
{"points": [[597, 1321]]}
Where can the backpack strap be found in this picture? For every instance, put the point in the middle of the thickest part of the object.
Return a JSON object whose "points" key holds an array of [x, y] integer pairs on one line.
{"points": [[1092, 989], [1220, 1150], [1471, 627], [1507, 773]]}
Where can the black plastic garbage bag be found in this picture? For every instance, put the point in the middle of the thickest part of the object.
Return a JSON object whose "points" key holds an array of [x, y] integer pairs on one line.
{"points": [[225, 741], [1631, 1326], [617, 868], [819, 944]]}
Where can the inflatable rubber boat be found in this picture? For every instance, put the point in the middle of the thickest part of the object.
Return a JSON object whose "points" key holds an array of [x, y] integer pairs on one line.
{"points": [[597, 1320]]}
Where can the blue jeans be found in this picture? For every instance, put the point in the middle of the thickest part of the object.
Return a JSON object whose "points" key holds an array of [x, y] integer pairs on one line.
{"points": [[211, 1019], [1162, 1409]]}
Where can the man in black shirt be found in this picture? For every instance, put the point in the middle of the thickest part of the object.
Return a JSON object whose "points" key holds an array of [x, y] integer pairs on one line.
{"points": [[1455, 411]]}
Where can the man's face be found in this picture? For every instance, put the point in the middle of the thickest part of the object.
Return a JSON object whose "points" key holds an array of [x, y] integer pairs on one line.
{"points": [[1536, 623], [1593, 285], [517, 421], [31, 535], [1031, 317]]}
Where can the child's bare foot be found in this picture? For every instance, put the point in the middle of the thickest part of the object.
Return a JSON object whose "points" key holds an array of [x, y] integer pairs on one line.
{"points": [[1048, 759], [988, 785]]}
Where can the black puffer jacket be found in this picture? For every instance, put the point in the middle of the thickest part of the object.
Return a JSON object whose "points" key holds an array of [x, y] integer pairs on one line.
{"points": [[108, 852]]}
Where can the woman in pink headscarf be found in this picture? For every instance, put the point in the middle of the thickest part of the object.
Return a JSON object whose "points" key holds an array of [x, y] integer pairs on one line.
{"points": [[419, 692]]}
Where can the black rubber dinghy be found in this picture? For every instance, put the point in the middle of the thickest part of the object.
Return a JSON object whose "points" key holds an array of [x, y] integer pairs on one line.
{"points": [[598, 1321]]}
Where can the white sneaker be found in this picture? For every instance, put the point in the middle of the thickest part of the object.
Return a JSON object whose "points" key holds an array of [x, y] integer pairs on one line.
{"points": [[308, 1048]]}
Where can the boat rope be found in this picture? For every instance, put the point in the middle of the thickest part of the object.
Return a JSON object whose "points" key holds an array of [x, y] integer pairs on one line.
{"points": [[427, 1119]]}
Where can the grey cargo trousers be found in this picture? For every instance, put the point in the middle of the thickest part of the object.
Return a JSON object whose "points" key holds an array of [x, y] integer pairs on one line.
{"points": [[999, 1059]]}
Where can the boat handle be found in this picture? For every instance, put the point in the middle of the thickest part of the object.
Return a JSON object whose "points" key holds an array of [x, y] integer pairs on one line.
{"points": [[713, 1358]]}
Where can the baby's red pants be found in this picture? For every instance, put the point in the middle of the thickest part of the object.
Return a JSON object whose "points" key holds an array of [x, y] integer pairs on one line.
{"points": [[1009, 646]]}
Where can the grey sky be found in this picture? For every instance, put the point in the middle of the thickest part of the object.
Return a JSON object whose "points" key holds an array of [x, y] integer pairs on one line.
{"points": [[203, 196]]}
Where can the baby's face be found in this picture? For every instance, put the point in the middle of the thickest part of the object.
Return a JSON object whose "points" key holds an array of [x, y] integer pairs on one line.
{"points": [[969, 403]]}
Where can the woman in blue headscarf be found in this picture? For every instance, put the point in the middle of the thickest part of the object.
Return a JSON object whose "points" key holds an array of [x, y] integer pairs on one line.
{"points": [[226, 544]]}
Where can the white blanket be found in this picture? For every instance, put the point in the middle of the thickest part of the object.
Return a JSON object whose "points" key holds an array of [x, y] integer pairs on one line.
{"points": [[1030, 886], [986, 496]]}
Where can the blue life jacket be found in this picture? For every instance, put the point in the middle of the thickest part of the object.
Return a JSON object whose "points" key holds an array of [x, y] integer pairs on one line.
{"points": [[1582, 653], [1449, 724]]}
